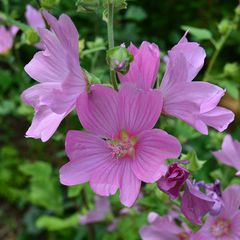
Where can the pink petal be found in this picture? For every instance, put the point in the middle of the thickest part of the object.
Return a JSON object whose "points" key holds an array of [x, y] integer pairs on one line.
{"points": [[86, 152], [65, 31], [135, 111], [34, 17], [39, 94], [98, 111], [48, 65], [102, 208], [235, 226], [218, 118], [129, 185], [153, 148], [193, 53], [144, 69], [44, 123], [231, 199], [6, 40], [229, 154]]}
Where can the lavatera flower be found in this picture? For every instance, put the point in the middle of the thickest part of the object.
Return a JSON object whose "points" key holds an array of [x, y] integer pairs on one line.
{"points": [[59, 76], [194, 102], [7, 38], [120, 148], [224, 226]]}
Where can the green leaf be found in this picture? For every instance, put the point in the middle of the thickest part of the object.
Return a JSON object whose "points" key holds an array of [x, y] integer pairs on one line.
{"points": [[231, 87], [199, 33], [54, 223], [74, 191], [194, 163]]}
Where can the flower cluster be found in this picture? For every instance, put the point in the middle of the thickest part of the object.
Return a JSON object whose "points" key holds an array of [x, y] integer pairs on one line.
{"points": [[120, 148]]}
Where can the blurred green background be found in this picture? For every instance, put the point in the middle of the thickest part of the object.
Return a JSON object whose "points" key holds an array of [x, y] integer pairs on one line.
{"points": [[33, 204]]}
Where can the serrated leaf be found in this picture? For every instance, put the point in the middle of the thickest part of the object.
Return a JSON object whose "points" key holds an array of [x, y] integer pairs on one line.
{"points": [[199, 33], [194, 163]]}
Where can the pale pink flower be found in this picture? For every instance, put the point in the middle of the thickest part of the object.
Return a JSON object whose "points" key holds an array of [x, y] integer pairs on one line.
{"points": [[59, 74], [102, 209], [192, 101], [230, 153], [120, 149], [7, 38], [226, 225], [164, 228]]}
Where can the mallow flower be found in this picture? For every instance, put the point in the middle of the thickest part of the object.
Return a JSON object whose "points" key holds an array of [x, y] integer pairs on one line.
{"points": [[102, 209], [6, 38], [224, 226], [59, 76], [230, 153], [119, 148], [194, 102], [197, 203], [164, 228], [173, 180]]}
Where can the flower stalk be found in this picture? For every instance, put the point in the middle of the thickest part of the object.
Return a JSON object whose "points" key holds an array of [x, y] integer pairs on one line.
{"points": [[113, 79]]}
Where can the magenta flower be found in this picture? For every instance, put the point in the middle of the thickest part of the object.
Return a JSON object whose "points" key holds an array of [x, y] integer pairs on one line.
{"points": [[193, 102], [59, 74], [164, 228], [6, 38], [120, 149], [230, 153], [195, 204], [173, 181], [225, 226], [102, 208]]}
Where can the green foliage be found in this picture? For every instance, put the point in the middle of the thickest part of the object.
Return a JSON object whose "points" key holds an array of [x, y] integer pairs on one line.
{"points": [[54, 223], [198, 33], [44, 188]]}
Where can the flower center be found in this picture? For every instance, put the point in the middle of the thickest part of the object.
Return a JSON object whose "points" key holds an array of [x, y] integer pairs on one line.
{"points": [[183, 236], [123, 146], [220, 228]]}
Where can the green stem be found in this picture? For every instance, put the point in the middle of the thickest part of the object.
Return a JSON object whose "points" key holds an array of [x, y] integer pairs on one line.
{"points": [[219, 45], [113, 78], [11, 21]]}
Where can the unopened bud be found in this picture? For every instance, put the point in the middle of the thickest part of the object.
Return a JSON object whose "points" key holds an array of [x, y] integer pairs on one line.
{"points": [[119, 59], [30, 36], [223, 26]]}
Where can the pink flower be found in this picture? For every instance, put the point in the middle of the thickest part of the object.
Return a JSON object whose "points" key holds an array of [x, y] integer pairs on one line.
{"points": [[120, 149], [164, 228], [195, 204], [230, 153], [6, 38], [59, 74], [193, 102], [173, 181], [226, 225], [102, 208]]}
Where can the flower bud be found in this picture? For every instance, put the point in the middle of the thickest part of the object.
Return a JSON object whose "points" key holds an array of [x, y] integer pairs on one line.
{"points": [[87, 5], [119, 59], [231, 69], [30, 36], [223, 26], [49, 3]]}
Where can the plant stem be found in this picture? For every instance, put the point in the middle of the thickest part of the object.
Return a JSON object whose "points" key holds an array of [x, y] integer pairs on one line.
{"points": [[219, 45], [113, 78]]}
